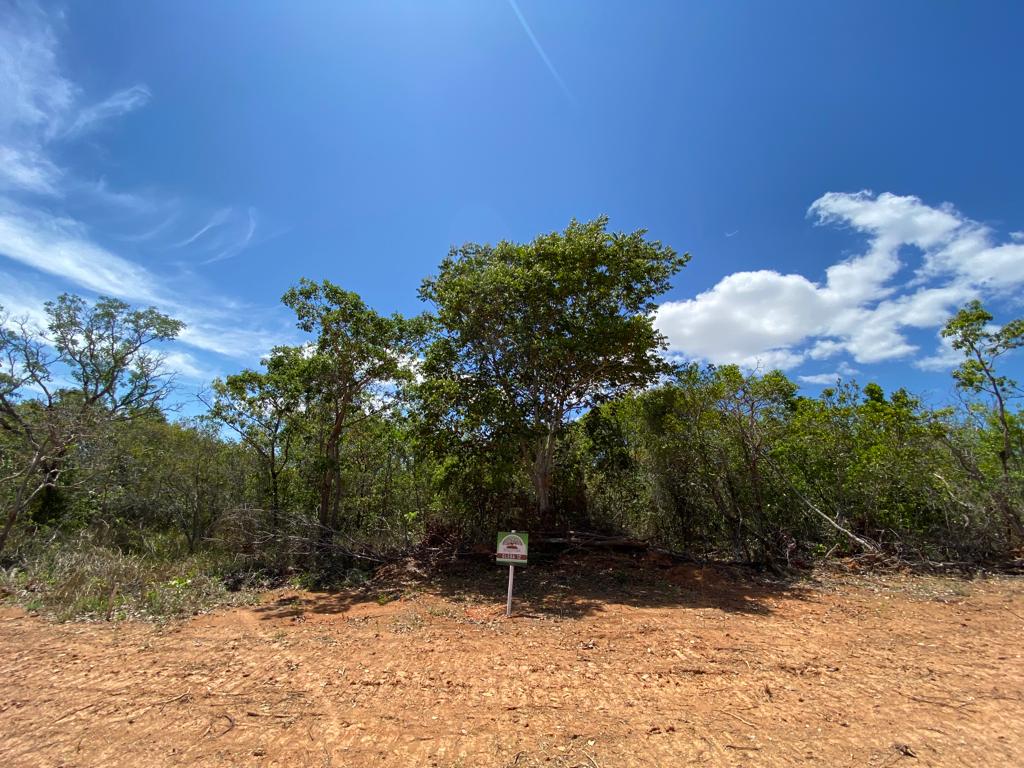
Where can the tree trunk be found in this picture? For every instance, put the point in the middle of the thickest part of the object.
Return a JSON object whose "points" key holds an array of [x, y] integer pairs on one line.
{"points": [[12, 517], [329, 479], [324, 515], [274, 501], [274, 492], [540, 473], [193, 539]]}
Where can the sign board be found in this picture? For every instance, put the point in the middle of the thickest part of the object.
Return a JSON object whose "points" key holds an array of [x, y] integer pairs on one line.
{"points": [[512, 548]]}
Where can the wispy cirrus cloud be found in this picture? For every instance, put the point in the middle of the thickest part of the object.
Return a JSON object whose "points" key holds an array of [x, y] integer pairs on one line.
{"points": [[36, 97], [189, 368], [121, 103], [226, 234], [62, 247], [866, 305], [219, 218], [236, 247], [45, 208], [28, 170], [26, 302], [39, 106]]}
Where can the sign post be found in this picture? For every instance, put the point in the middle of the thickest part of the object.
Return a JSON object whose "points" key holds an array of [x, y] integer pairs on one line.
{"points": [[511, 578], [512, 549]]}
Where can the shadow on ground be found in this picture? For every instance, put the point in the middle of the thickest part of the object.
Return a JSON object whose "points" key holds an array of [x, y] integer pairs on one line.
{"points": [[570, 587]]}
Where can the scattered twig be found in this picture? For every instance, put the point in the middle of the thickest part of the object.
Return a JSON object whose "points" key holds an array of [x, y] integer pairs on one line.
{"points": [[74, 712], [940, 704], [179, 697], [231, 725], [731, 714], [284, 715]]}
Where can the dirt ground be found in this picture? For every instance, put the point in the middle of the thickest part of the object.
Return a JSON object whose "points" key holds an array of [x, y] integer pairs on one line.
{"points": [[605, 664]]}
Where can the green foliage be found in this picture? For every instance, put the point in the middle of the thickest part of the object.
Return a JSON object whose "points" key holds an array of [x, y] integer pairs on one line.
{"points": [[535, 397], [530, 334], [265, 412], [108, 351], [731, 465], [970, 332], [348, 372]]}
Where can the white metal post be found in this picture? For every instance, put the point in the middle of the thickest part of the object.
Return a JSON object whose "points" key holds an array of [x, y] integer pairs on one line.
{"points": [[511, 575]]}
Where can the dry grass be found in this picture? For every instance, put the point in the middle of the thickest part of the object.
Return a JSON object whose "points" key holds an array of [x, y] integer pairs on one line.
{"points": [[84, 580]]}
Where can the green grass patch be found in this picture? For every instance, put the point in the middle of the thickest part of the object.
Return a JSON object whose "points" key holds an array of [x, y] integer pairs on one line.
{"points": [[79, 579]]}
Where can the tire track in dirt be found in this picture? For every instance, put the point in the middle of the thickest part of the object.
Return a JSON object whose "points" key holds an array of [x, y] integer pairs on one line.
{"points": [[844, 676]]}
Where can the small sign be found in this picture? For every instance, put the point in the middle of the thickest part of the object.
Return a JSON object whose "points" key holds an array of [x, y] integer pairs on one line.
{"points": [[512, 548]]}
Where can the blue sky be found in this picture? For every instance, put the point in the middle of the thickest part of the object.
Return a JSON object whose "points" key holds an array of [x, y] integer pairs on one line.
{"points": [[844, 174]]}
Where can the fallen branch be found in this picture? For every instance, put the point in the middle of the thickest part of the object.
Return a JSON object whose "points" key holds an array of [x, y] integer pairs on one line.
{"points": [[730, 714], [179, 697], [859, 541], [74, 712], [941, 703]]}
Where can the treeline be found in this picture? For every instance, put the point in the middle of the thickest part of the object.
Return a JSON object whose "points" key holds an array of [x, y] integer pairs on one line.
{"points": [[532, 395]]}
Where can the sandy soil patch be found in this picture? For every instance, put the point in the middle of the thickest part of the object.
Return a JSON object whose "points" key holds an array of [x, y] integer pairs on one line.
{"points": [[603, 666]]}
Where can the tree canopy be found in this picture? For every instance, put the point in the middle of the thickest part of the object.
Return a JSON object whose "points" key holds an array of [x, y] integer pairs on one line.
{"points": [[90, 365], [535, 395], [528, 334]]}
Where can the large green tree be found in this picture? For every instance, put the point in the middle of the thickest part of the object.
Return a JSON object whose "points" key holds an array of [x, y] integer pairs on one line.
{"points": [[529, 334], [350, 370], [92, 364]]}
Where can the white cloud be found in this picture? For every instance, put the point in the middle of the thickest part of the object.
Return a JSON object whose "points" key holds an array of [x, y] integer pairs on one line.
{"points": [[33, 100], [945, 358], [748, 317], [844, 371], [891, 219], [28, 170], [821, 378], [62, 248], [863, 308], [241, 244], [99, 191], [38, 102], [188, 367], [225, 334], [150, 233], [216, 220], [115, 105], [33, 95], [24, 304], [41, 108]]}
